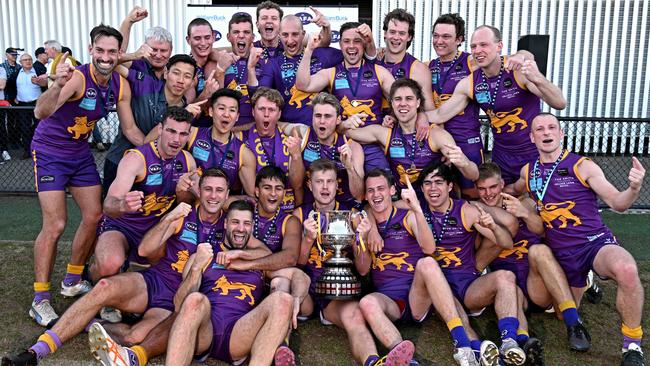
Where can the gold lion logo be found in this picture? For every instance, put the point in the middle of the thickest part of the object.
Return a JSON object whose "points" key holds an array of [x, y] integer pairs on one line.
{"points": [[358, 106], [559, 211], [510, 118], [225, 286], [520, 249], [152, 203], [397, 260], [447, 257], [412, 174], [183, 256], [316, 259], [243, 88], [299, 96], [81, 128], [439, 99]]}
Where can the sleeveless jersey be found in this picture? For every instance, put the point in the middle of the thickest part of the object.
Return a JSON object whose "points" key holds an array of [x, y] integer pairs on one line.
{"points": [[464, 127], [518, 255], [399, 70], [158, 186], [66, 131], [236, 78], [454, 245], [268, 52], [569, 209], [406, 156], [510, 107], [359, 90], [270, 231], [394, 266], [209, 153]]}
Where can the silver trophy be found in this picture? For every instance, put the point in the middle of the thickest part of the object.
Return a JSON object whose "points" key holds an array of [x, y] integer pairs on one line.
{"points": [[337, 281]]}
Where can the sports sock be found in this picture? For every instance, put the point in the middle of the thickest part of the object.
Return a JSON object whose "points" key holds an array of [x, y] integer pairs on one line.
{"points": [[140, 355], [458, 333], [90, 324], [631, 335], [73, 274], [370, 360], [508, 327], [476, 347], [47, 343], [569, 312], [522, 336], [41, 291]]}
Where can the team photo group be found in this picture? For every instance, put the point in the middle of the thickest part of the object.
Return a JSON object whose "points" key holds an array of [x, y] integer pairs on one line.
{"points": [[254, 187]]}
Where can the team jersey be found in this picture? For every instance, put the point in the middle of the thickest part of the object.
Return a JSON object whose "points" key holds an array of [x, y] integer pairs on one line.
{"points": [[236, 78], [359, 90], [568, 206], [271, 230], [407, 157], [66, 131], [209, 153]]}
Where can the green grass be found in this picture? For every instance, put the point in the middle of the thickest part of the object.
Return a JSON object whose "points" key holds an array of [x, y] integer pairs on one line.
{"points": [[315, 344]]}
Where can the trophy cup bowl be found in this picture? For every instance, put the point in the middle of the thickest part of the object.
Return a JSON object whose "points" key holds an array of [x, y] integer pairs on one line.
{"points": [[338, 282]]}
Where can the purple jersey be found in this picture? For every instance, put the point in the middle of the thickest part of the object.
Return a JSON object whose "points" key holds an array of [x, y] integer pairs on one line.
{"points": [[273, 151], [158, 186], [313, 150], [268, 52], [270, 231], [407, 157], [511, 108], [359, 90], [180, 246], [66, 131], [280, 73], [568, 206], [399, 70], [236, 78], [209, 153], [455, 239], [464, 127], [393, 267], [517, 257]]}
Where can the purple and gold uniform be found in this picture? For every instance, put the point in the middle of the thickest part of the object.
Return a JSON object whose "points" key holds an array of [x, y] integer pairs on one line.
{"points": [[236, 78], [455, 242], [511, 108], [232, 294], [407, 156], [209, 153], [158, 186], [314, 267], [399, 70], [393, 268], [268, 52], [270, 231], [359, 90], [313, 150], [515, 260], [204, 119], [271, 151], [575, 232], [280, 73], [60, 145], [164, 278], [465, 127]]}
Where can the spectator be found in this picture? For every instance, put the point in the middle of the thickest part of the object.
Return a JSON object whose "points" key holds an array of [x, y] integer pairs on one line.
{"points": [[11, 68], [28, 89], [54, 52], [40, 65], [3, 114]]}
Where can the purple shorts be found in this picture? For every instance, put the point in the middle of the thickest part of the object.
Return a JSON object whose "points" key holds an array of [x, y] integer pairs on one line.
{"points": [[159, 293], [459, 281], [474, 153], [374, 158], [398, 291], [133, 237], [520, 269], [578, 261], [53, 173], [221, 331], [511, 163]]}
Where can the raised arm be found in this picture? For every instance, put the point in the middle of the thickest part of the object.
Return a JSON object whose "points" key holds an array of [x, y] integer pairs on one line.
{"points": [[617, 200], [119, 198], [68, 84], [353, 159], [417, 221], [453, 105], [535, 81], [422, 75], [304, 80], [484, 223], [366, 135], [154, 241], [193, 273], [524, 208]]}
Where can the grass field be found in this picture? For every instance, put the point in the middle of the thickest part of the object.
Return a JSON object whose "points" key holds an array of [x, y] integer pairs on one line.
{"points": [[315, 344]]}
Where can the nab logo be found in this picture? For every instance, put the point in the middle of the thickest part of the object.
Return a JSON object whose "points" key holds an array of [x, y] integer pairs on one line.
{"points": [[336, 37], [203, 144], [217, 35], [191, 226], [482, 87], [155, 168], [306, 18], [313, 145]]}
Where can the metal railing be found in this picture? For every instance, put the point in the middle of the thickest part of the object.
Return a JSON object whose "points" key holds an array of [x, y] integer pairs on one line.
{"points": [[610, 142]]}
